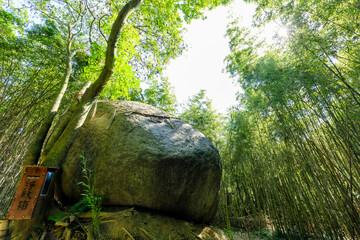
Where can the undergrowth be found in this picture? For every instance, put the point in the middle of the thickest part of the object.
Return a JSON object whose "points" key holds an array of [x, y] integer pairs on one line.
{"points": [[90, 199]]}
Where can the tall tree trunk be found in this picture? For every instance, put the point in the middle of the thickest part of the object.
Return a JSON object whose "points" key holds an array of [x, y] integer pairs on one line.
{"points": [[34, 150], [62, 145], [63, 122]]}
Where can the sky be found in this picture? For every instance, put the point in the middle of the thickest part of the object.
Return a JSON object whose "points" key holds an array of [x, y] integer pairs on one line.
{"points": [[202, 65]]}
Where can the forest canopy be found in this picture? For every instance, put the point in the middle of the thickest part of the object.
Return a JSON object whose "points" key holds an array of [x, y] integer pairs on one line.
{"points": [[290, 148], [57, 57]]}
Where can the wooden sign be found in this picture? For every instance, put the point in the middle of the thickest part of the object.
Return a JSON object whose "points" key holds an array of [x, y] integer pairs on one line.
{"points": [[29, 191]]}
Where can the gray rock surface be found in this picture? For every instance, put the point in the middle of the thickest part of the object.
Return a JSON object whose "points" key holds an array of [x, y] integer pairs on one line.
{"points": [[142, 156]]}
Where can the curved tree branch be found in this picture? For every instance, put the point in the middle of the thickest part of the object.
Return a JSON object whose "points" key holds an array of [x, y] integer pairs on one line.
{"points": [[62, 145]]}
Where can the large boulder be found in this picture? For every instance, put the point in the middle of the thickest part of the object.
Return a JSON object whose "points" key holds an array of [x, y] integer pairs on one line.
{"points": [[142, 156]]}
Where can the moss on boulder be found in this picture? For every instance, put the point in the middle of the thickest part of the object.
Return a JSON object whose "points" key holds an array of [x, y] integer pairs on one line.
{"points": [[142, 156]]}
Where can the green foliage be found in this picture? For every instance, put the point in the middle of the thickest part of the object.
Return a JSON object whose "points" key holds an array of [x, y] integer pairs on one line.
{"points": [[57, 217], [199, 113], [11, 23], [89, 196], [34, 52], [80, 207], [292, 152], [29, 79], [230, 233], [151, 39], [158, 94]]}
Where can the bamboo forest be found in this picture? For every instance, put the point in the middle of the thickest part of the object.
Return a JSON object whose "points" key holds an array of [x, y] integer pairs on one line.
{"points": [[289, 148]]}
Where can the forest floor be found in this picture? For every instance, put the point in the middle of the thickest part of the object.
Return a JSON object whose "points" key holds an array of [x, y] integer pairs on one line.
{"points": [[243, 236], [130, 224]]}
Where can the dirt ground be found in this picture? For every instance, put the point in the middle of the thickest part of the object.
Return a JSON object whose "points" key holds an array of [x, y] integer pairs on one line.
{"points": [[128, 224]]}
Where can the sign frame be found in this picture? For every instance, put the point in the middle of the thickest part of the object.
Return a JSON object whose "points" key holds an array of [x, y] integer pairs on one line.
{"points": [[34, 186]]}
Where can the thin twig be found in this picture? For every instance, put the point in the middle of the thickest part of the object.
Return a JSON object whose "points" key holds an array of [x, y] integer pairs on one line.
{"points": [[128, 233]]}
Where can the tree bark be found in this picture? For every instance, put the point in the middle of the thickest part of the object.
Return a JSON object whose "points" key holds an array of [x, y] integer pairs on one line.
{"points": [[34, 150], [63, 122], [62, 145]]}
